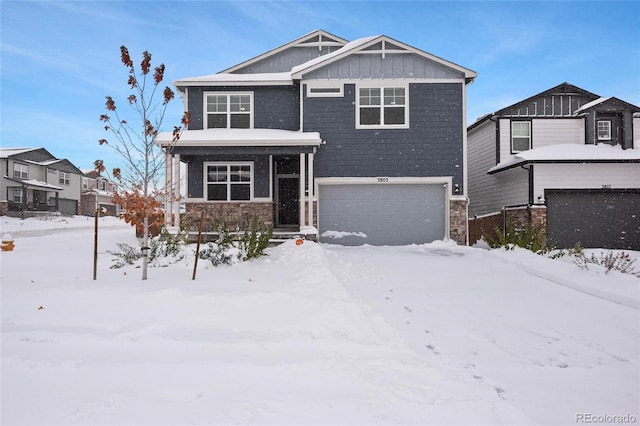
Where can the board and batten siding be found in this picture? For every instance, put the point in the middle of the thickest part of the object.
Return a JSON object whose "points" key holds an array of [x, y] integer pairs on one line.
{"points": [[287, 59], [547, 132], [432, 146], [404, 66], [585, 176], [273, 107]]}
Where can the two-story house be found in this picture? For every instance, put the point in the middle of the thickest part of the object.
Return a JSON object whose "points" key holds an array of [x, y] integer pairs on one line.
{"points": [[362, 141], [97, 193], [34, 180], [566, 158]]}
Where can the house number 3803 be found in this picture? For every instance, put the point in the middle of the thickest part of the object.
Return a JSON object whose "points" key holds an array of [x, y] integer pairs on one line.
{"points": [[383, 179], [606, 186]]}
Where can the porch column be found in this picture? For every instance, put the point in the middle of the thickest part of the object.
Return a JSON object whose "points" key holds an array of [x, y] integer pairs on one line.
{"points": [[301, 191], [175, 191], [168, 176], [311, 191]]}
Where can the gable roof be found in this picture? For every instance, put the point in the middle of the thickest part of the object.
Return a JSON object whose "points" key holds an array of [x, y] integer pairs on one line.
{"points": [[611, 101], [363, 45], [562, 88], [9, 152], [317, 38]]}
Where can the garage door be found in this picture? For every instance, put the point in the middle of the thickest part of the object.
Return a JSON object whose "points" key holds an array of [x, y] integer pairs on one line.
{"points": [[595, 218], [381, 214]]}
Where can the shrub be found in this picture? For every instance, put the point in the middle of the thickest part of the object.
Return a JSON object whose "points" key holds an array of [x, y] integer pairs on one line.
{"points": [[226, 251], [163, 246], [621, 261], [531, 237]]}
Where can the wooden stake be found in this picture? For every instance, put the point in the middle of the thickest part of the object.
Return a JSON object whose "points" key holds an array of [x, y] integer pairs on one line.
{"points": [[95, 247], [195, 264]]}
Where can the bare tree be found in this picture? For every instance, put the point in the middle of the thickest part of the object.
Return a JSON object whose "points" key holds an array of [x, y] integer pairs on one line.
{"points": [[144, 161]]}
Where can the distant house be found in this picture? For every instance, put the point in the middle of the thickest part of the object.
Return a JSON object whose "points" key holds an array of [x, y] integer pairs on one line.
{"points": [[566, 158], [363, 140], [34, 180], [97, 193]]}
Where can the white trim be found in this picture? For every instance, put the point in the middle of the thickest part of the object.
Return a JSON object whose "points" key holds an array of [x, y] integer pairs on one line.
{"points": [[310, 193], [337, 89], [205, 117], [205, 181], [512, 122], [608, 137], [382, 84], [385, 180], [241, 137], [465, 151], [301, 190]]}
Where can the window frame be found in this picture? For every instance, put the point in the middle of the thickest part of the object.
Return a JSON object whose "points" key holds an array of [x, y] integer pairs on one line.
{"points": [[530, 136], [64, 178], [228, 112], [17, 195], [609, 125], [229, 182], [382, 106], [18, 174], [325, 91]]}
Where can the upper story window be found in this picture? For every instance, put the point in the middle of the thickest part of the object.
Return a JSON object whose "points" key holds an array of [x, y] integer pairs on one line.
{"points": [[85, 184], [520, 136], [382, 107], [225, 110], [604, 130], [228, 181], [20, 171], [64, 178], [102, 184]]}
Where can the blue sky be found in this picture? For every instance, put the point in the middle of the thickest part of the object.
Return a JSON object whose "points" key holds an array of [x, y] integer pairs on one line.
{"points": [[60, 59]]}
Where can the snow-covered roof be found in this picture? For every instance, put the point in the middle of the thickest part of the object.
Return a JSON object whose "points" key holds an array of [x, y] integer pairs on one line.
{"points": [[241, 137], [44, 163], [35, 183], [7, 152], [592, 104], [569, 153], [271, 79]]}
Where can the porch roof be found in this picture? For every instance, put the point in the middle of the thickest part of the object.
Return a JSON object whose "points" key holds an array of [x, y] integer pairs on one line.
{"points": [[35, 184], [240, 138], [569, 153]]}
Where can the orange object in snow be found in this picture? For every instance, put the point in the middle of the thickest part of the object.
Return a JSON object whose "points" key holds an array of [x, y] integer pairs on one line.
{"points": [[299, 241]]}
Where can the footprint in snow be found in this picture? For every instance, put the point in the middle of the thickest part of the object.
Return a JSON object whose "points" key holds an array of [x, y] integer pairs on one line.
{"points": [[408, 309]]}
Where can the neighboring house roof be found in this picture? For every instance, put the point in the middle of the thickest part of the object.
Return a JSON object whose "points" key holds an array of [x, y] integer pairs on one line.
{"points": [[569, 153], [563, 88], [8, 152], [241, 137], [612, 102]]}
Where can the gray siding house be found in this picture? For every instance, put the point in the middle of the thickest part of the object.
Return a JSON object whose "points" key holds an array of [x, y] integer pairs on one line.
{"points": [[34, 180], [359, 142], [566, 158]]}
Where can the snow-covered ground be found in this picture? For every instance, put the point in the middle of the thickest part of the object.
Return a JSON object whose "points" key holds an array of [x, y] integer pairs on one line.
{"points": [[311, 334]]}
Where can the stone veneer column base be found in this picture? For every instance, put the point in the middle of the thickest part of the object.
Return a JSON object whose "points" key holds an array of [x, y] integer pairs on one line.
{"points": [[238, 216], [458, 220]]}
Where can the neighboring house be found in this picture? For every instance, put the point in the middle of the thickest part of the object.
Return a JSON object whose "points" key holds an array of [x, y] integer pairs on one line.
{"points": [[565, 157], [35, 180], [97, 193], [364, 140]]}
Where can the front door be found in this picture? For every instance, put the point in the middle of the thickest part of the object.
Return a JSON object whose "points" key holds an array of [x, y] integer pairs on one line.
{"points": [[287, 191], [288, 201]]}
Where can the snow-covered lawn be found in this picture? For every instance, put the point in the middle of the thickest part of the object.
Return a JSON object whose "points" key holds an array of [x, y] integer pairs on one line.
{"points": [[311, 334]]}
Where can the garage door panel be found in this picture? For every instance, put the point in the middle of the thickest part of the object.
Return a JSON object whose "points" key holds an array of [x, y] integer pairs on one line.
{"points": [[603, 219], [389, 214]]}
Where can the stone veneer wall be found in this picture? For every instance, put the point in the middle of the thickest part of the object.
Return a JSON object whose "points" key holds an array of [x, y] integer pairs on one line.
{"points": [[458, 220], [523, 216], [237, 216]]}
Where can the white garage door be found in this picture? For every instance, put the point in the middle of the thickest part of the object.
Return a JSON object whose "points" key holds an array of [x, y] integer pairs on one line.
{"points": [[381, 214]]}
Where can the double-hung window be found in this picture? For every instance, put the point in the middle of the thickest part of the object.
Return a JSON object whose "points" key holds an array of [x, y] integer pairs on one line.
{"points": [[604, 130], [520, 136], [228, 182], [64, 178], [229, 110], [17, 195], [20, 171], [382, 107]]}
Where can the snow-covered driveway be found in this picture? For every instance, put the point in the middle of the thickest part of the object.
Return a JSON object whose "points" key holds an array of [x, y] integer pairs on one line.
{"points": [[553, 351], [310, 334]]}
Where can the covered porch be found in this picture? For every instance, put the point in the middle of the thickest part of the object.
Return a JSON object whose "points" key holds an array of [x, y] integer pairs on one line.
{"points": [[236, 177]]}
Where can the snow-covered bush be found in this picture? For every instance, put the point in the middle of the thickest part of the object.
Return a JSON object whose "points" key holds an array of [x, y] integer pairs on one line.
{"points": [[611, 261], [531, 237], [165, 246], [227, 251]]}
